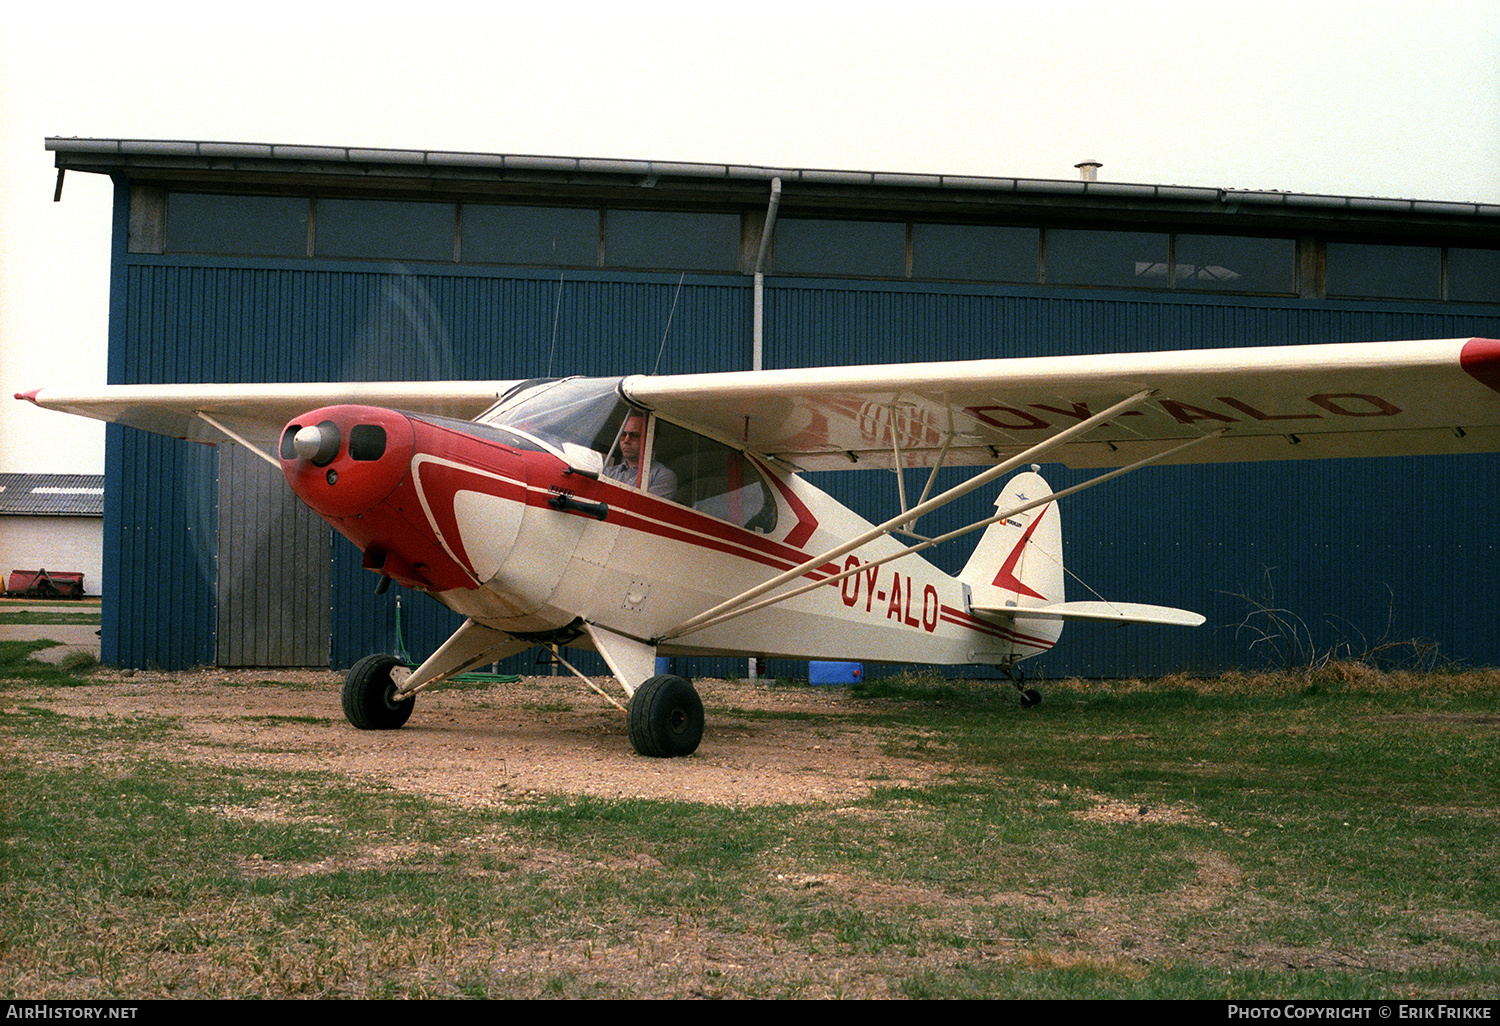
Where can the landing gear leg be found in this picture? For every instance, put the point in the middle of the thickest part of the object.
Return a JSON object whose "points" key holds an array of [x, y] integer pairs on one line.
{"points": [[1029, 696]]}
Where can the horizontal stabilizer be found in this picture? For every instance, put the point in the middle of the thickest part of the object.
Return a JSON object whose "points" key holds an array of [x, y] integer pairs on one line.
{"points": [[1109, 612]]}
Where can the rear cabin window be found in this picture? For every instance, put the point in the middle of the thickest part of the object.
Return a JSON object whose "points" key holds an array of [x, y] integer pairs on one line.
{"points": [[715, 479]]}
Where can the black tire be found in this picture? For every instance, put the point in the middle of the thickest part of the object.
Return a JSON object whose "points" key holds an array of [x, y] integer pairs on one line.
{"points": [[1030, 698], [369, 695], [665, 718]]}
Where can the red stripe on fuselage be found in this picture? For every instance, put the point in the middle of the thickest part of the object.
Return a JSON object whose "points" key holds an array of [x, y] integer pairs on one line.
{"points": [[536, 478], [664, 518], [806, 522], [959, 618], [443, 479]]}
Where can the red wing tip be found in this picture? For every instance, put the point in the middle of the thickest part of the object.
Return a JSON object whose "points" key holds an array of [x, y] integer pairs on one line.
{"points": [[29, 396], [1480, 358]]}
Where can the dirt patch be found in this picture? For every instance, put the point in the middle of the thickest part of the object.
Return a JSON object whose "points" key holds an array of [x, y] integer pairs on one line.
{"points": [[489, 744], [1108, 810]]}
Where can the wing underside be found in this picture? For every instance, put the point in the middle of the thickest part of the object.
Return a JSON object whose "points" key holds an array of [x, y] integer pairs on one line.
{"points": [[257, 413], [1272, 403]]}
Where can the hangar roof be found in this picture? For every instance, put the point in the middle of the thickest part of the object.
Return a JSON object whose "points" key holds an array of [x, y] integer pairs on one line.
{"points": [[77, 495], [262, 167]]}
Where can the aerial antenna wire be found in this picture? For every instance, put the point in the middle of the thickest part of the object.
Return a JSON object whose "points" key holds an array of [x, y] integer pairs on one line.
{"points": [[663, 347], [556, 316]]}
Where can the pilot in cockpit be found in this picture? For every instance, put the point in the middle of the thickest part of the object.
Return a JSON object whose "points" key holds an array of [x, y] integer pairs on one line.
{"points": [[661, 481]]}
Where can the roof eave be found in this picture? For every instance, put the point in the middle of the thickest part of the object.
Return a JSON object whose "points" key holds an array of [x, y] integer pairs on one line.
{"points": [[669, 182]]}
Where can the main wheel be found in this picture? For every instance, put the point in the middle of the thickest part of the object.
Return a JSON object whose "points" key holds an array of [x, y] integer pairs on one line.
{"points": [[370, 701], [665, 718]]}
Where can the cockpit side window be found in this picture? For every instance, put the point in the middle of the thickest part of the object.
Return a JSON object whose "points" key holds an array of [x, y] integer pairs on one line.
{"points": [[630, 461], [640, 450]]}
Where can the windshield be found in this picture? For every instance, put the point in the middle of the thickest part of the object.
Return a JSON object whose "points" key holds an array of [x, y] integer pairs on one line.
{"points": [[584, 411]]}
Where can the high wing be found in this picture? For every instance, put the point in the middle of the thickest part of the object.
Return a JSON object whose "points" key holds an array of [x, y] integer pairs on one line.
{"points": [[1272, 403], [256, 413]]}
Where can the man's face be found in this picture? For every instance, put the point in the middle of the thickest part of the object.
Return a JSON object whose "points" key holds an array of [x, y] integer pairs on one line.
{"points": [[631, 436]]}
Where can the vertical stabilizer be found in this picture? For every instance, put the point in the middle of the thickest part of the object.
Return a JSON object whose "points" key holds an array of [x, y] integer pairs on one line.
{"points": [[1019, 560]]}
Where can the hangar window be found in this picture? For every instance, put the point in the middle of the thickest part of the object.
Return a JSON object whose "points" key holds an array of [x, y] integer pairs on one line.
{"points": [[1358, 270], [1081, 257], [530, 236], [164, 221], [245, 225], [1227, 263], [1474, 275], [675, 239], [385, 230], [974, 252], [874, 249]]}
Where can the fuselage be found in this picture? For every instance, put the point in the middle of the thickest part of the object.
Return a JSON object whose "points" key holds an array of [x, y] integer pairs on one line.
{"points": [[507, 531]]}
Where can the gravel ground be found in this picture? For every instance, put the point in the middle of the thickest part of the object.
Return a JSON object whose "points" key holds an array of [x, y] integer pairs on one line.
{"points": [[479, 744]]}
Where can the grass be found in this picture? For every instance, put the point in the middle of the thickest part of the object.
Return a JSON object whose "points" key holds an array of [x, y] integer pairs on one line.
{"points": [[1285, 836], [16, 664], [64, 616]]}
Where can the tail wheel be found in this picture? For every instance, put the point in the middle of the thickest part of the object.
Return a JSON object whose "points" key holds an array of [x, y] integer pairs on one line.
{"points": [[370, 701], [665, 718], [1029, 696]]}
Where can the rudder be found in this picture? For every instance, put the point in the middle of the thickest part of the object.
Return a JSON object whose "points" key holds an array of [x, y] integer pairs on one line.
{"points": [[1020, 556]]}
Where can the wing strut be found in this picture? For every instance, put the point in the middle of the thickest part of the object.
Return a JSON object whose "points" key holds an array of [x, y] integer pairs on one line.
{"points": [[900, 468], [272, 460], [907, 516], [929, 542]]}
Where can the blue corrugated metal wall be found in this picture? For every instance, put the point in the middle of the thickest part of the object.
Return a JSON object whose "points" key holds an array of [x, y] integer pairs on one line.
{"points": [[1331, 537], [1354, 553], [160, 524]]}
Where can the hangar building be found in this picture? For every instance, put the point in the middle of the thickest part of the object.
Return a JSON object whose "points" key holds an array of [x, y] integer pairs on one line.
{"points": [[240, 263], [53, 522]]}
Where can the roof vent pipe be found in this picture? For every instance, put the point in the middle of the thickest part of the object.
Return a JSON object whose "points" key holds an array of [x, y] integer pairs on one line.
{"points": [[1088, 171]]}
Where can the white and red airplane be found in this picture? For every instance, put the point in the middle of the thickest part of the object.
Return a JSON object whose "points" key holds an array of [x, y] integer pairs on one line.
{"points": [[669, 514]]}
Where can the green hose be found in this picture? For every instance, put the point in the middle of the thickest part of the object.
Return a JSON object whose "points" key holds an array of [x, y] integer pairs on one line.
{"points": [[474, 677]]}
